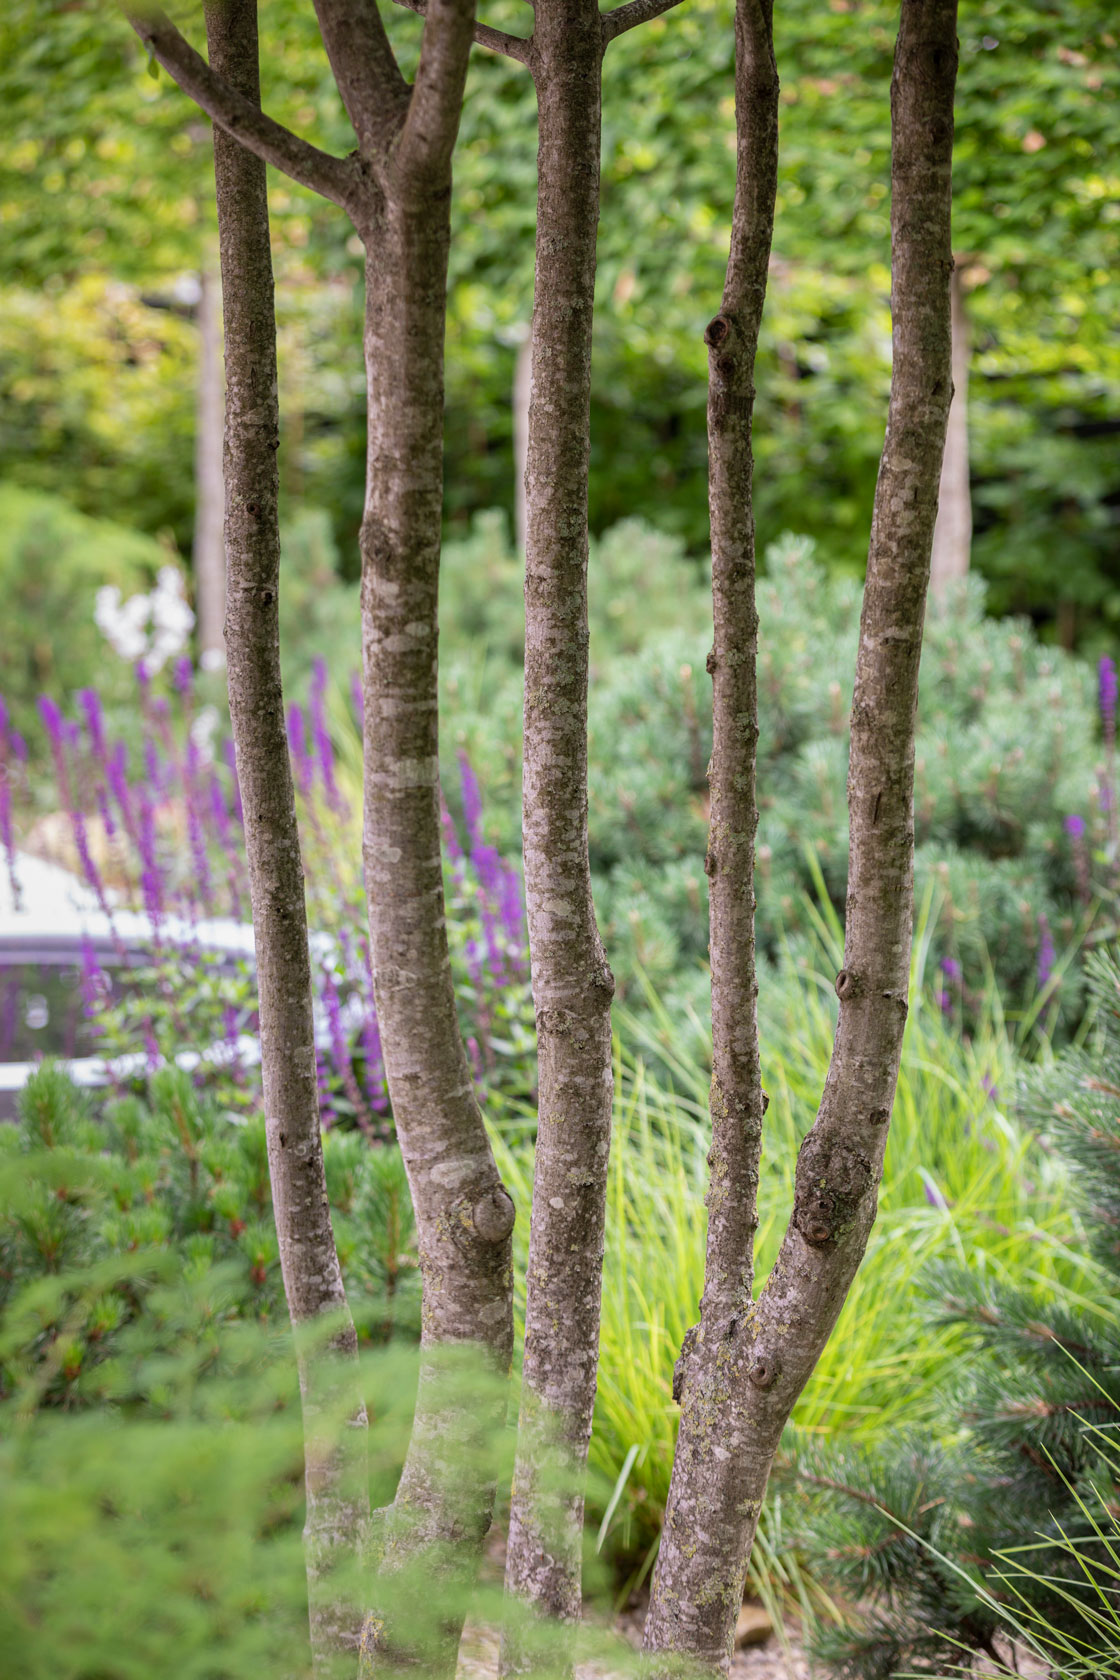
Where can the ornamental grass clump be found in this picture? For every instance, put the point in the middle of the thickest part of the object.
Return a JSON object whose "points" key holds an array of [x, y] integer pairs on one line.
{"points": [[961, 1180], [995, 1522]]}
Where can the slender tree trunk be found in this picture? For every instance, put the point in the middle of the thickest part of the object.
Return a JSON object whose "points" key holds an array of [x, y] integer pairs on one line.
{"points": [[464, 1215], [572, 983], [334, 1414], [741, 1374], [737, 1100], [209, 555], [952, 534]]}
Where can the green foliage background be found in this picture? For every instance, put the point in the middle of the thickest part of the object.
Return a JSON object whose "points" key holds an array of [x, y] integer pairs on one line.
{"points": [[105, 173]]}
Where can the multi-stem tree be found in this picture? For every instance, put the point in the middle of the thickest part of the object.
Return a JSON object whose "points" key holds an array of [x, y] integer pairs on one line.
{"points": [[746, 1362]]}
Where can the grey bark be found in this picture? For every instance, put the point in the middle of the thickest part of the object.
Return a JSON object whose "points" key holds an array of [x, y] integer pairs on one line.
{"points": [[208, 553], [572, 982], [334, 1413], [396, 188], [464, 1216], [952, 534], [740, 1375]]}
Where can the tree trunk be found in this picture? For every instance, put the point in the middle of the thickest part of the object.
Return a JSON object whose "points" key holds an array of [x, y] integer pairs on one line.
{"points": [[572, 983], [337, 1487], [952, 534], [741, 1372], [464, 1215], [209, 555]]}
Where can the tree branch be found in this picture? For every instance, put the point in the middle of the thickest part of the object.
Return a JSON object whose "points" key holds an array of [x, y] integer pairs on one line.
{"points": [[373, 90], [513, 46], [331, 176], [631, 15]]}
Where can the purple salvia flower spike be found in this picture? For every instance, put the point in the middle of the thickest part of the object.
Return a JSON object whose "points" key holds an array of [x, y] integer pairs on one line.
{"points": [[195, 831], [297, 747], [219, 810], [512, 912], [153, 766], [494, 953], [7, 838], [320, 733], [105, 813], [488, 868], [1107, 690], [116, 772], [472, 801], [52, 718], [90, 702], [58, 731], [182, 676], [151, 878], [375, 1072], [230, 752], [93, 986]]}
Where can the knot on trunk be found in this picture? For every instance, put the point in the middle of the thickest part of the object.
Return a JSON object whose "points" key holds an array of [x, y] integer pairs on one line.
{"points": [[765, 1371], [494, 1215], [832, 1181], [847, 985], [717, 331], [488, 1218]]}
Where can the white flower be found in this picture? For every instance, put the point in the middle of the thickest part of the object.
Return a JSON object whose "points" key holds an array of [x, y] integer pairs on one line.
{"points": [[122, 624], [125, 624], [202, 731]]}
